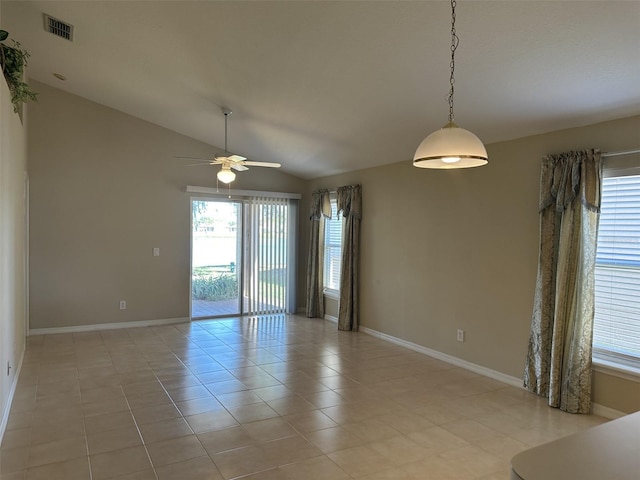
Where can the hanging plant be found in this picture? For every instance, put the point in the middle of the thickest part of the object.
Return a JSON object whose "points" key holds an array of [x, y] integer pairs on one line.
{"points": [[13, 60]]}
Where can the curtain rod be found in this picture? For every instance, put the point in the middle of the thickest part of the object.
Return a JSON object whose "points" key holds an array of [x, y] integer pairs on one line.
{"points": [[328, 191], [335, 190], [242, 193], [623, 152]]}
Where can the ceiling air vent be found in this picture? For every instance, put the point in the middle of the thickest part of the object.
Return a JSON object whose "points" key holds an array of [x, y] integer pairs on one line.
{"points": [[58, 27]]}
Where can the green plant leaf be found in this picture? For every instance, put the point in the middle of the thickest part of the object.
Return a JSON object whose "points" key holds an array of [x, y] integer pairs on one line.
{"points": [[3, 35], [13, 61]]}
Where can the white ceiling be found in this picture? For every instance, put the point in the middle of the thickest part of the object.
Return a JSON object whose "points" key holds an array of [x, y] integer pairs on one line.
{"points": [[325, 87]]}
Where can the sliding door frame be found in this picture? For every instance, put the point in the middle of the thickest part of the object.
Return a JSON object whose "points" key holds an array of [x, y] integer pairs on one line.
{"points": [[242, 197]]}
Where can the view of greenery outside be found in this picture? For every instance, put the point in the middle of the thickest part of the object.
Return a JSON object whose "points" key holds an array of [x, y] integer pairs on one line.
{"points": [[222, 287], [273, 283], [209, 283]]}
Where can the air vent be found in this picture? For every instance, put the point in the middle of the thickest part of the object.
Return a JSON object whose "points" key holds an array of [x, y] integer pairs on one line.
{"points": [[58, 27]]}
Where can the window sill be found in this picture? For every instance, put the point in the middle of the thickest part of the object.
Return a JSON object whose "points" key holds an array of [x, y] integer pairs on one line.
{"points": [[331, 293], [616, 369]]}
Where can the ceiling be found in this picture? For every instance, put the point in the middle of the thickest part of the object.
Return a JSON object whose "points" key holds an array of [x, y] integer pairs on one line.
{"points": [[325, 87]]}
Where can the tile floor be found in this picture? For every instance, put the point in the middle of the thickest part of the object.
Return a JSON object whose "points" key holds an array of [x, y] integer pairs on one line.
{"points": [[272, 398]]}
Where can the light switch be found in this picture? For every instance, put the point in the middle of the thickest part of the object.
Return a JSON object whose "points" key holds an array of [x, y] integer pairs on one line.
{"points": [[156, 252]]}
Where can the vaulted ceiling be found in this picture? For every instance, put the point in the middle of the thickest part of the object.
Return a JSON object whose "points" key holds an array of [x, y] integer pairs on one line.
{"points": [[325, 87]]}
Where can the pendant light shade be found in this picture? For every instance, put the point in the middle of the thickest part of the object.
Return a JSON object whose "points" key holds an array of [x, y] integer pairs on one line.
{"points": [[450, 147], [225, 175]]}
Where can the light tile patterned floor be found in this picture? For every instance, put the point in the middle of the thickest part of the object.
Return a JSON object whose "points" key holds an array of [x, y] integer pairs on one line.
{"points": [[272, 398]]}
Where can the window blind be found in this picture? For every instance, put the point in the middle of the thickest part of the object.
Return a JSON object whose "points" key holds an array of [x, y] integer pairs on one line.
{"points": [[617, 274], [266, 256], [332, 248]]}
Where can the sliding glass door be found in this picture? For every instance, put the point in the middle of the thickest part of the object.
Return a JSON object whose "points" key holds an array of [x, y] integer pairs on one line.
{"points": [[216, 254], [242, 257]]}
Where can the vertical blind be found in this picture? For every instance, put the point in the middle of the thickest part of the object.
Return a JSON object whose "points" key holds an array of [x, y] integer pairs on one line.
{"points": [[332, 248], [617, 274], [266, 256]]}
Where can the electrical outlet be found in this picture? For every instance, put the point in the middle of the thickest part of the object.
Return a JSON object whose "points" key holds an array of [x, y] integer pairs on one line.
{"points": [[460, 335], [156, 252], [123, 305]]}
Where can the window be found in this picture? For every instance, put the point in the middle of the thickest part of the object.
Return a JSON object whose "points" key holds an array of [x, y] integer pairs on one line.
{"points": [[332, 248], [616, 336]]}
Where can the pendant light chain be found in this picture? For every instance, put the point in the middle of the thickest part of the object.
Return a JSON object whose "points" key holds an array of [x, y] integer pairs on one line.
{"points": [[454, 45]]}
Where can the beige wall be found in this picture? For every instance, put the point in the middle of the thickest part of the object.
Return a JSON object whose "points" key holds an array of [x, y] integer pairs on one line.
{"points": [[441, 250], [13, 253], [105, 190], [448, 250], [617, 392]]}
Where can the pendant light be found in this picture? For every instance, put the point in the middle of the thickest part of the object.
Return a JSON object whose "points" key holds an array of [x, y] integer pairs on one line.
{"points": [[451, 146], [225, 175]]}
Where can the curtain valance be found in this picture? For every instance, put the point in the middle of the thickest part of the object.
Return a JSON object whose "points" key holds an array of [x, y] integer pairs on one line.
{"points": [[349, 201], [320, 204], [560, 180]]}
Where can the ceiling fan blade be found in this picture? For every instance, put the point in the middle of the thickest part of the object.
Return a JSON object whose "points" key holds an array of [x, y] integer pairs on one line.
{"points": [[262, 164], [192, 158], [236, 158], [239, 167], [198, 164]]}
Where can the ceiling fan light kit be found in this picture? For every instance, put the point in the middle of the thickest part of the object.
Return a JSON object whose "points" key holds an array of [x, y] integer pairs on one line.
{"points": [[451, 146], [225, 175]]}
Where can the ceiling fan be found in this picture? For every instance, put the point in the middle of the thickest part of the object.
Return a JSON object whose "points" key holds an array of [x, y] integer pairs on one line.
{"points": [[229, 162]]}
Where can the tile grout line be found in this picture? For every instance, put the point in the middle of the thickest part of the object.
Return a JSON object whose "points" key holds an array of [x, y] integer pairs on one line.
{"points": [[84, 424], [135, 422]]}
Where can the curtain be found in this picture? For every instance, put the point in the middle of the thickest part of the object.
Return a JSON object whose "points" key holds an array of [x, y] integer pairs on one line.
{"points": [[558, 364], [320, 207], [349, 202]]}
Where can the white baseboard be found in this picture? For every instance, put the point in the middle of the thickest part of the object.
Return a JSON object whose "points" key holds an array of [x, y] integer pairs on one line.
{"points": [[108, 326], [596, 408], [458, 362], [12, 392], [331, 318], [606, 412]]}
